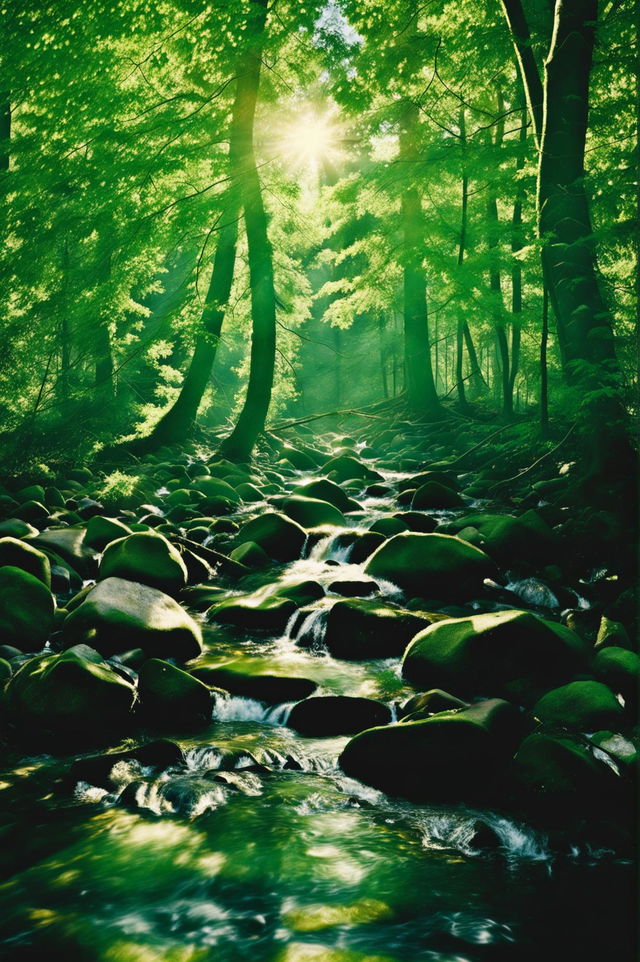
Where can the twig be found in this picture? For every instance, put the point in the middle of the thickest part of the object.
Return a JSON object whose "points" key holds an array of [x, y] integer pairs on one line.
{"points": [[480, 443]]}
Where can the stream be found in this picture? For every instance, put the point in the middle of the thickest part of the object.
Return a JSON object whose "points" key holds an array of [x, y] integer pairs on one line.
{"points": [[249, 843]]}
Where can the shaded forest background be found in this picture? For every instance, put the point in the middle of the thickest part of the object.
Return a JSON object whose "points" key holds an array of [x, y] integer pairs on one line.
{"points": [[414, 210]]}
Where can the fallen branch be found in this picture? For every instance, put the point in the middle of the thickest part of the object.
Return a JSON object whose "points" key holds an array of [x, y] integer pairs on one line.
{"points": [[480, 443], [521, 474]]}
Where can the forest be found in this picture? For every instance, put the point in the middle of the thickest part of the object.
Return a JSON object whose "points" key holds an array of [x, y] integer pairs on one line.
{"points": [[319, 406]]}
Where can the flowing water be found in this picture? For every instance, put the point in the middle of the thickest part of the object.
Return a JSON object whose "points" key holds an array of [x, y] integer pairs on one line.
{"points": [[252, 845]]}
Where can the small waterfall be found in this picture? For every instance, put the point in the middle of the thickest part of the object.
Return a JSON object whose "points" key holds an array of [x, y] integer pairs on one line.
{"points": [[330, 548], [311, 631], [466, 831], [235, 708]]}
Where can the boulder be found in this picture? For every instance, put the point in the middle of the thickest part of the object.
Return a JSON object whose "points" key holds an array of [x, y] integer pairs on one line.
{"points": [[312, 512], [561, 772], [118, 615], [73, 692], [508, 539], [331, 715], [389, 526], [431, 565], [171, 698], [584, 706], [436, 496], [429, 703], [238, 679], [359, 629], [102, 531], [26, 609], [612, 633], [16, 528], [325, 490], [215, 489], [19, 554], [270, 613], [101, 770], [620, 670], [147, 558], [68, 544], [345, 467], [279, 536], [511, 653], [250, 554], [457, 755]]}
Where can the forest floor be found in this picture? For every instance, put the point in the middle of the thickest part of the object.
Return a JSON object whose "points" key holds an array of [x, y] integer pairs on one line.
{"points": [[371, 697]]}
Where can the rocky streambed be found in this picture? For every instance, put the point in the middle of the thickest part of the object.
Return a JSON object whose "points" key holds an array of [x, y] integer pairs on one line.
{"points": [[345, 703]]}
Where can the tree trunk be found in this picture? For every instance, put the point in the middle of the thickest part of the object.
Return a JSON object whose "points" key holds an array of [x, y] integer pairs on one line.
{"points": [[383, 358], [5, 131], [65, 333], [460, 385], [568, 256], [544, 374], [420, 385], [517, 243], [176, 424], [477, 383], [239, 445]]}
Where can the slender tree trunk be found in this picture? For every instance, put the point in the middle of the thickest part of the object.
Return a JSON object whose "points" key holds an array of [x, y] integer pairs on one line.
{"points": [[65, 333], [420, 385], [240, 443], [383, 358], [460, 385], [176, 424], [5, 130], [517, 243], [544, 374], [477, 383]]}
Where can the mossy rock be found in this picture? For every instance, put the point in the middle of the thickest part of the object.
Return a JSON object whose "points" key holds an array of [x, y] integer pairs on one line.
{"points": [[33, 492], [102, 531], [509, 540], [16, 528], [435, 496], [344, 467], [325, 490], [612, 633], [428, 703], [215, 489], [301, 592], [255, 612], [620, 670], [172, 698], [249, 492], [584, 706], [452, 755], [389, 526], [117, 615], [510, 653], [26, 609], [19, 554], [76, 691], [68, 544], [312, 512], [32, 511], [561, 772], [358, 629], [279, 536], [330, 715], [147, 558], [431, 565], [239, 679], [250, 554], [445, 478]]}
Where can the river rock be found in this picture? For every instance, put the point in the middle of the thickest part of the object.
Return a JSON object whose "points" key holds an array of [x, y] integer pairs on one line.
{"points": [[584, 706], [312, 512], [19, 554], [508, 539], [172, 698], [239, 680], [359, 629], [512, 653], [345, 467], [68, 544], [117, 615], [326, 490], [270, 613], [612, 633], [72, 692], [452, 755], [26, 609], [436, 496], [431, 565], [429, 703], [16, 528], [620, 670], [147, 558], [279, 536], [102, 531], [561, 771], [331, 715]]}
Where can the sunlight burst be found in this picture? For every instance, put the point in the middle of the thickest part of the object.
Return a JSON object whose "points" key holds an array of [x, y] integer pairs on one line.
{"points": [[312, 139]]}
